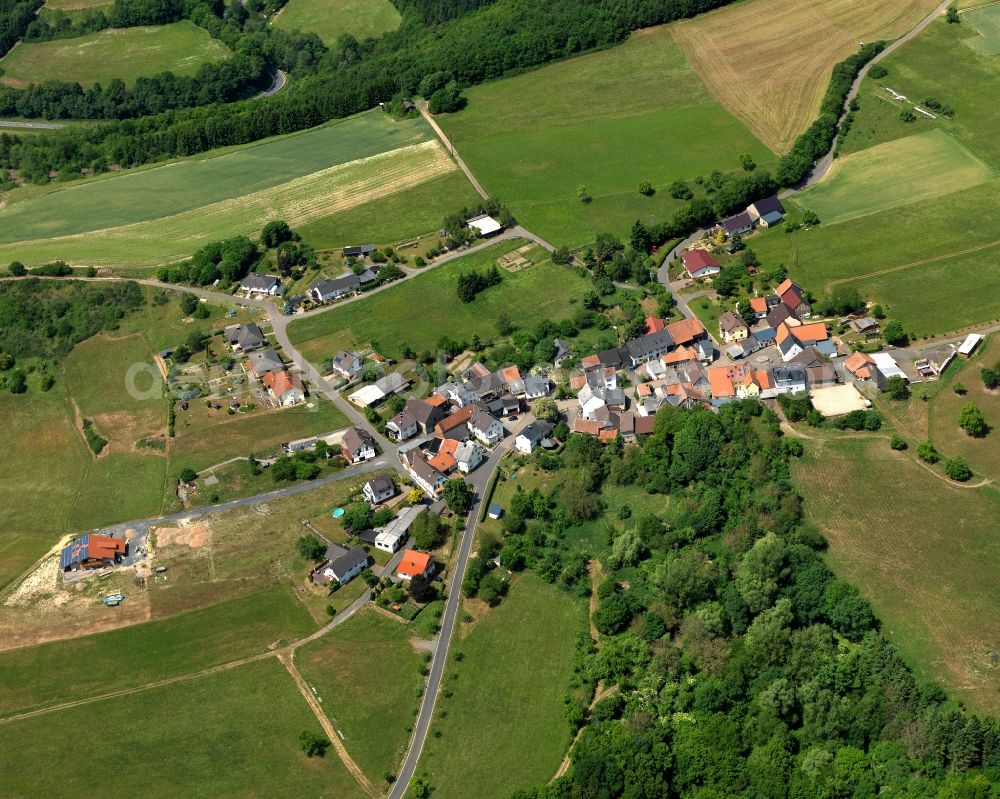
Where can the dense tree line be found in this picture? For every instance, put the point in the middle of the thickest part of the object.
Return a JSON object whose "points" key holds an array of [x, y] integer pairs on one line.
{"points": [[471, 283], [15, 17], [433, 12], [47, 318], [120, 14], [741, 665], [351, 77]]}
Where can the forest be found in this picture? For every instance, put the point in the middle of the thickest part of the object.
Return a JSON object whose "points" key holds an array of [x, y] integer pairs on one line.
{"points": [[732, 662]]}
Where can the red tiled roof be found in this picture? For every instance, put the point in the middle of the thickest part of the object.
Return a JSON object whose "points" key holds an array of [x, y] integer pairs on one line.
{"points": [[685, 331], [104, 546], [698, 259], [654, 324], [758, 304], [459, 417], [413, 563]]}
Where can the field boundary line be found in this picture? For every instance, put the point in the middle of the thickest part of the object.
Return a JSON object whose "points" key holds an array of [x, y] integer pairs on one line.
{"points": [[935, 259], [140, 688], [306, 691]]}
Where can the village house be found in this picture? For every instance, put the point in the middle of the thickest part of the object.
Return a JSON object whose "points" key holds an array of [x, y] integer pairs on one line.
{"points": [[426, 413], [257, 285], [414, 564], [423, 474], [794, 298], [357, 445], [700, 264], [687, 332], [789, 379], [793, 340], [347, 364], [343, 568], [92, 551], [591, 399], [563, 352], [260, 363], [732, 328], [443, 459], [323, 289], [244, 338], [737, 223], [486, 427], [532, 436], [646, 348], [361, 251], [866, 326], [402, 426], [391, 537], [284, 388], [456, 425], [468, 455], [379, 489], [766, 212]]}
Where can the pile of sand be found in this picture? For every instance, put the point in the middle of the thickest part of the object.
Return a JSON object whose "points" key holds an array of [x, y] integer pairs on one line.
{"points": [[194, 536], [40, 589]]}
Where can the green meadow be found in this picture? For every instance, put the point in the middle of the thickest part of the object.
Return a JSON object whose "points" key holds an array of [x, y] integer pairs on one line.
{"points": [[330, 19], [230, 734], [986, 22], [606, 121], [125, 53], [418, 312], [147, 194], [375, 717], [44, 675]]}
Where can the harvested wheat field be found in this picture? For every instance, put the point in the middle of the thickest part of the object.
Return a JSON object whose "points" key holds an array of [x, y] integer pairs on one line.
{"points": [[769, 63], [298, 201], [195, 536]]}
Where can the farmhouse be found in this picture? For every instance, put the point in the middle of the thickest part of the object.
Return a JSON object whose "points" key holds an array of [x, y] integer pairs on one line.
{"points": [[257, 285], [484, 225], [444, 459], [426, 414], [343, 569], [732, 328], [766, 212], [323, 289], [284, 388], [357, 445], [358, 250], [244, 338], [699, 264], [646, 348], [793, 297], [92, 551], [455, 426], [423, 474], [687, 331], [859, 365], [347, 364], [379, 489], [414, 563], [793, 340], [260, 363]]}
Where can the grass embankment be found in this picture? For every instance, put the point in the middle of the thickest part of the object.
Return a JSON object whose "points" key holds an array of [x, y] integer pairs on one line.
{"points": [[607, 121], [147, 216], [94, 665], [769, 65], [330, 19], [366, 673], [503, 727], [230, 734], [418, 312], [921, 549], [125, 53]]}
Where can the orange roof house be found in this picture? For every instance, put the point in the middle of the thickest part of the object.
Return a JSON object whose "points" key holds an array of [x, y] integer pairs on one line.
{"points": [[679, 355], [859, 364], [510, 374], [457, 419], [686, 331], [758, 305], [414, 563], [720, 382], [654, 324], [436, 400], [445, 461], [590, 361], [281, 383]]}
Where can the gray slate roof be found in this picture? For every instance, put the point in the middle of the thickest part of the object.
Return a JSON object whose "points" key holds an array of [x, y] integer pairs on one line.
{"points": [[349, 561]]}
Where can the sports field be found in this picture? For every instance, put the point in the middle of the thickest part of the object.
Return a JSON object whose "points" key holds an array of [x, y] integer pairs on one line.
{"points": [[505, 726], [374, 716], [924, 552], [607, 121], [229, 734], [919, 167], [330, 19], [982, 454], [148, 216], [769, 64], [125, 53], [927, 261], [418, 312], [986, 22]]}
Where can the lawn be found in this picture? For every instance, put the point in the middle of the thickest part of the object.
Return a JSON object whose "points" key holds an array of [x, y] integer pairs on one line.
{"points": [[769, 64], [303, 177], [937, 64], [396, 218], [986, 22], [230, 734], [607, 121], [126, 53], [330, 19], [919, 259], [418, 312], [923, 551], [918, 167], [49, 674], [504, 726], [374, 715], [983, 454]]}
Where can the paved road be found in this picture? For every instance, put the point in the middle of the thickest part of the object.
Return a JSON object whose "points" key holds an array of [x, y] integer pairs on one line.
{"points": [[278, 81], [4, 123]]}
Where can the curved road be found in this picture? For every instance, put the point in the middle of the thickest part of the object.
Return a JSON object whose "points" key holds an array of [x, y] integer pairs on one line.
{"points": [[278, 81]]}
